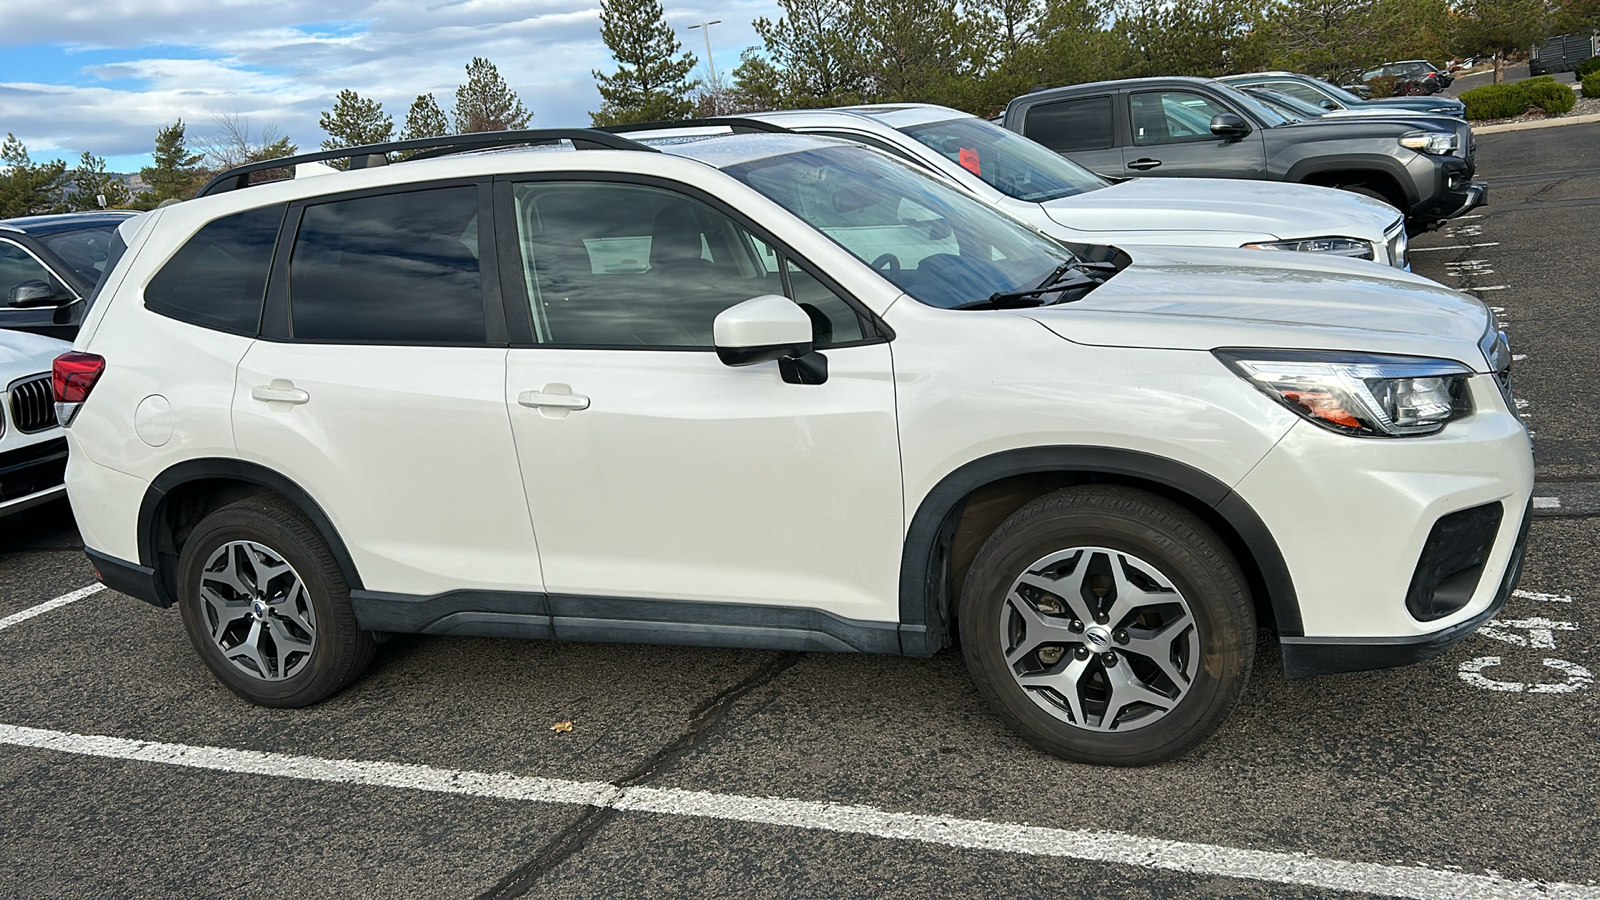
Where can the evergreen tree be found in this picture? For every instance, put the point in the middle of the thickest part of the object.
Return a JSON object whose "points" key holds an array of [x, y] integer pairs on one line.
{"points": [[353, 122], [1500, 27], [90, 182], [652, 79], [175, 173], [424, 119], [757, 85], [813, 49], [28, 188], [915, 50], [486, 103]]}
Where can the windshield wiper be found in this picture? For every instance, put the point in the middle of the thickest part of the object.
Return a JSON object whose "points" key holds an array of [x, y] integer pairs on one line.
{"points": [[1089, 275]]}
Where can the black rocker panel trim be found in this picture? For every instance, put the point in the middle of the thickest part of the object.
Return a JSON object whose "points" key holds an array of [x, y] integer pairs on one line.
{"points": [[622, 620], [232, 470], [923, 618]]}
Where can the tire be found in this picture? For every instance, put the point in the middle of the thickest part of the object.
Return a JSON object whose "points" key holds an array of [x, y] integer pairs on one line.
{"points": [[291, 644], [1185, 597]]}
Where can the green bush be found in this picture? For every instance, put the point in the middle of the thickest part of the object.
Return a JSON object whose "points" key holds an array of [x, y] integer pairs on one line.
{"points": [[1495, 101], [1591, 84], [1587, 67], [1537, 78], [1549, 96]]}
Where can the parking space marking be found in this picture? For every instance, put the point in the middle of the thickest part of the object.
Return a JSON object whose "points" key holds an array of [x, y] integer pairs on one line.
{"points": [[57, 603], [1454, 247], [1420, 882]]}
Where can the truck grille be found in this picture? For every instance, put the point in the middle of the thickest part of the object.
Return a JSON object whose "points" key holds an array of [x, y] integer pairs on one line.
{"points": [[33, 406]]}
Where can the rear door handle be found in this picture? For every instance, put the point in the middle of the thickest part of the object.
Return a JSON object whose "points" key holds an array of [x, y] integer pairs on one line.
{"points": [[1146, 163], [281, 390], [553, 400]]}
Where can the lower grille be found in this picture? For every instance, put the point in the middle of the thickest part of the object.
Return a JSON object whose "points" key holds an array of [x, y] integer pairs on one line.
{"points": [[32, 469], [1452, 562], [33, 404]]}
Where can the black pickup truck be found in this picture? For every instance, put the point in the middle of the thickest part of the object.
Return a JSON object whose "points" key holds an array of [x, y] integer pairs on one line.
{"points": [[1201, 128]]}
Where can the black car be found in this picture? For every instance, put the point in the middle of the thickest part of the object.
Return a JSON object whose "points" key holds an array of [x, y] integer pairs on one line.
{"points": [[1412, 77], [1203, 128], [1330, 97], [48, 267]]}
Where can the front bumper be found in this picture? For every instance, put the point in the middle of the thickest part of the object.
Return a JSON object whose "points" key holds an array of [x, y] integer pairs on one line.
{"points": [[32, 475], [1457, 197]]}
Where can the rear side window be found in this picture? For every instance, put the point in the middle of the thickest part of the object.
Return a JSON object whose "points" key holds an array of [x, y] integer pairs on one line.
{"points": [[1071, 124], [392, 269], [218, 278]]}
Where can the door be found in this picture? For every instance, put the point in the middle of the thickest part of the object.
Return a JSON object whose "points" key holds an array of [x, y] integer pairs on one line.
{"points": [[655, 471], [1082, 129], [379, 389], [1171, 136]]}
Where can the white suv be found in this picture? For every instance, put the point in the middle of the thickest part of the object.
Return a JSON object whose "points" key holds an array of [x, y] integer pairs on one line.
{"points": [[780, 391]]}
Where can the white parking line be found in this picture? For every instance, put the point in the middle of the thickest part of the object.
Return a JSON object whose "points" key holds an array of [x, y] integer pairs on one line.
{"points": [[1453, 247], [1418, 882], [57, 603]]}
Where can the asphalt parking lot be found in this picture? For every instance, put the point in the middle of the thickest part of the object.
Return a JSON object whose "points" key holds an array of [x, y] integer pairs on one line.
{"points": [[127, 771]]}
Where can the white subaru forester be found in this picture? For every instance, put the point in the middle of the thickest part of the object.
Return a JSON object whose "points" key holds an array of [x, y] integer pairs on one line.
{"points": [[780, 391]]}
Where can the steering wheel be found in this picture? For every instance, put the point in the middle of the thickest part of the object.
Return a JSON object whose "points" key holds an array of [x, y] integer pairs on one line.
{"points": [[888, 262]]}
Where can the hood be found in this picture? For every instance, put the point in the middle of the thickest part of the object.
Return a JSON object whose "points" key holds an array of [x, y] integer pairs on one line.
{"points": [[23, 354], [1287, 211], [1422, 103], [1185, 298]]}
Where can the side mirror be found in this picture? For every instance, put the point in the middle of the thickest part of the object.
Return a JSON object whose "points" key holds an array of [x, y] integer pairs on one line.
{"points": [[34, 294], [1328, 104], [769, 328], [1229, 126]]}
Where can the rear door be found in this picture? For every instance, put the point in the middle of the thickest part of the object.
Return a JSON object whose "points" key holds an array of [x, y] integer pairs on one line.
{"points": [[377, 385], [1082, 129], [1171, 136]]}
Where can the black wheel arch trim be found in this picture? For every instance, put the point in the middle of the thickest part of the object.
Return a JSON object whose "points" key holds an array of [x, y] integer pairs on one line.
{"points": [[1357, 162], [245, 472], [924, 619]]}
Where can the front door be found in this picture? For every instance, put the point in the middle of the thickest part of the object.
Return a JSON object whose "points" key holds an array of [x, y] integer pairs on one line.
{"points": [[653, 470], [1171, 136]]}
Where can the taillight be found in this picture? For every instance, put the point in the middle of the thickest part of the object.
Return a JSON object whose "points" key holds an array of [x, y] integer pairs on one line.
{"points": [[73, 376]]}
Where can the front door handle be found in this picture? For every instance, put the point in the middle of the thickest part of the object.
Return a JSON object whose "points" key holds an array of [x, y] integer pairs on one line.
{"points": [[553, 400], [1145, 163], [281, 390]]}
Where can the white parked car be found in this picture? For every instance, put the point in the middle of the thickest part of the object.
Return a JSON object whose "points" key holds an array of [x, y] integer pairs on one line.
{"points": [[1071, 203], [781, 391], [33, 451]]}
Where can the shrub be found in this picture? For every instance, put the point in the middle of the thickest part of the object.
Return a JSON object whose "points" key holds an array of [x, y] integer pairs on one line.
{"points": [[1495, 101], [1591, 84], [1586, 68], [1549, 96], [1384, 86]]}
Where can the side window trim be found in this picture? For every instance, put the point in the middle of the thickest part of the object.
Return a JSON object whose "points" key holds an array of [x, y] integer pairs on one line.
{"points": [[277, 312], [518, 303], [49, 270]]}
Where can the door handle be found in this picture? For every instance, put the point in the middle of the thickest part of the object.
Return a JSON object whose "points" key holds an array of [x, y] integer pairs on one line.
{"points": [[553, 400], [281, 390], [1146, 163]]}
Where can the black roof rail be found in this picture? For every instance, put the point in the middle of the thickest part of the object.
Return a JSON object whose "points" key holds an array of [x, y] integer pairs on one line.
{"points": [[369, 155], [736, 124]]}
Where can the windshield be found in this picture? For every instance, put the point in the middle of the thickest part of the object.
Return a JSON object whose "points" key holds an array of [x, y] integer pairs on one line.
{"points": [[936, 242], [85, 250], [1294, 108], [1006, 161], [1265, 114], [1338, 93]]}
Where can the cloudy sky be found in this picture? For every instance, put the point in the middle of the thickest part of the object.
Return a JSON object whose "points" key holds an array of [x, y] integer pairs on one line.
{"points": [[104, 76]]}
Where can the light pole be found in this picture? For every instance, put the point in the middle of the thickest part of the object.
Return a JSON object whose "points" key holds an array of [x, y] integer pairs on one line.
{"points": [[705, 29]]}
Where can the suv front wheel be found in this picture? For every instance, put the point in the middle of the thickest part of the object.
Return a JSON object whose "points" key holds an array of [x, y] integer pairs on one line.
{"points": [[1107, 625], [267, 607]]}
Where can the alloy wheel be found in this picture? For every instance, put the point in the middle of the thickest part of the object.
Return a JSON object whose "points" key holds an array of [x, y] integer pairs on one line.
{"points": [[257, 610]]}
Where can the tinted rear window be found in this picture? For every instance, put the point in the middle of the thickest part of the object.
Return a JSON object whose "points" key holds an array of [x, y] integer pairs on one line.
{"points": [[395, 268], [218, 278], [1071, 124]]}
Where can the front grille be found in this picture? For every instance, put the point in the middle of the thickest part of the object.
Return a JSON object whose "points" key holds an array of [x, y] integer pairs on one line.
{"points": [[33, 405]]}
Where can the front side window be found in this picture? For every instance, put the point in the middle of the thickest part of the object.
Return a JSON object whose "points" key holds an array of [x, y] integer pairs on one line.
{"points": [[1006, 161], [1171, 117], [934, 241], [217, 279], [17, 266], [1071, 125], [1302, 92], [394, 268], [635, 266]]}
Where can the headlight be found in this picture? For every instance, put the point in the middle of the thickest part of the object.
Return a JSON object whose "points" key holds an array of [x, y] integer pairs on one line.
{"points": [[1358, 393], [1338, 246], [1438, 143]]}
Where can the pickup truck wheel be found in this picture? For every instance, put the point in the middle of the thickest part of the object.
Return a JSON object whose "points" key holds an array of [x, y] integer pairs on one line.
{"points": [[1107, 625], [266, 606]]}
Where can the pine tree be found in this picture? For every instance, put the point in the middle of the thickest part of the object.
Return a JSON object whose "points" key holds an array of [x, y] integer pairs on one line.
{"points": [[175, 174], [90, 183], [757, 84], [28, 188], [486, 103], [813, 48], [652, 79], [355, 121], [424, 119]]}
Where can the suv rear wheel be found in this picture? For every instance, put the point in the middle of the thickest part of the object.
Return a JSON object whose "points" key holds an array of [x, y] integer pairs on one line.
{"points": [[267, 608], [1107, 625]]}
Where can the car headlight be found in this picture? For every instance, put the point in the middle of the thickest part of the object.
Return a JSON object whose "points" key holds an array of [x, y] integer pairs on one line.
{"points": [[1361, 394], [1438, 143], [1338, 246]]}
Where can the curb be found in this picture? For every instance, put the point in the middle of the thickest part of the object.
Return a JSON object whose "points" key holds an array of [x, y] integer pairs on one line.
{"points": [[1538, 123]]}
